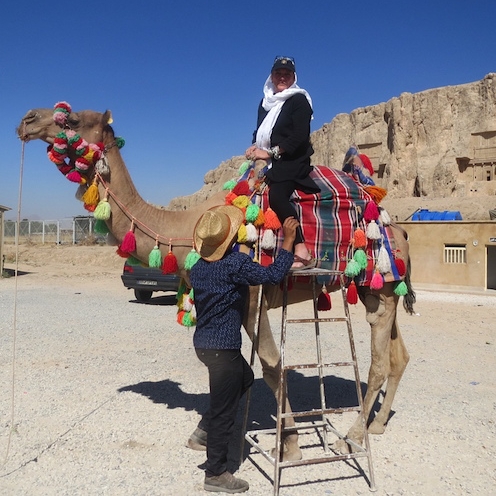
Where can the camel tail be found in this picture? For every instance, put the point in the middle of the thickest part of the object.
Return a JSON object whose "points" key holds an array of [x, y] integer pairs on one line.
{"points": [[410, 298]]}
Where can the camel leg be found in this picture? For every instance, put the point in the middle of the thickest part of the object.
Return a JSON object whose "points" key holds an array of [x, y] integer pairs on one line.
{"points": [[389, 358], [268, 353]]}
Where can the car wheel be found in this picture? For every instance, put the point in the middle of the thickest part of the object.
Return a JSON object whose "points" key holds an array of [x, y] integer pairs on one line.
{"points": [[143, 295]]}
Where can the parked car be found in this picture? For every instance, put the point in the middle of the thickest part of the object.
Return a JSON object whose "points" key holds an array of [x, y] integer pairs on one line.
{"points": [[147, 280]]}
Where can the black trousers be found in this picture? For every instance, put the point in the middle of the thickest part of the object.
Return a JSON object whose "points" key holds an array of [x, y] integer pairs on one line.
{"points": [[229, 377], [279, 194]]}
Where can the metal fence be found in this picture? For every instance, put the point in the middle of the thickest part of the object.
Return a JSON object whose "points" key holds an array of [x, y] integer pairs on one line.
{"points": [[65, 231]]}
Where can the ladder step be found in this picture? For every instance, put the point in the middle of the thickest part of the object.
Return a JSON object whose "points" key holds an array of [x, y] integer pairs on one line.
{"points": [[320, 411], [317, 366], [310, 321]]}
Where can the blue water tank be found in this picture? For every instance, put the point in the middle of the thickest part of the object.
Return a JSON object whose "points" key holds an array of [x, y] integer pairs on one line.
{"points": [[425, 214]]}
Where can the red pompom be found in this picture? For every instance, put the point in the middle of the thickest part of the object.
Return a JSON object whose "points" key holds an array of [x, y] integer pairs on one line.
{"points": [[352, 294], [371, 212], [129, 242], [170, 264], [324, 300], [377, 281], [271, 220], [367, 163], [400, 266], [121, 253], [242, 188], [230, 197], [90, 208], [180, 316]]}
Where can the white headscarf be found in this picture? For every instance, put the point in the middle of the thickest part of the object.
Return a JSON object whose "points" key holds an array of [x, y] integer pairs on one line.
{"points": [[273, 102]]}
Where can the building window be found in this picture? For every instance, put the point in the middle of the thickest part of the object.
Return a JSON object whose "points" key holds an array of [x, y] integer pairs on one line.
{"points": [[455, 254]]}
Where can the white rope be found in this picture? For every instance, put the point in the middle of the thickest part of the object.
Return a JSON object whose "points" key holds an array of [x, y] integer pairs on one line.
{"points": [[14, 325]]}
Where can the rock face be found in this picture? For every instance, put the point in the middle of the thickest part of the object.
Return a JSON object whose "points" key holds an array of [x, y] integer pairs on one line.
{"points": [[434, 149]]}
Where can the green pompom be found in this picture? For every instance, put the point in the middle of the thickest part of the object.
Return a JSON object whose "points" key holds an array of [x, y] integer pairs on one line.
{"points": [[101, 227], [102, 210], [361, 258], [252, 212], [229, 185], [155, 257], [352, 269], [181, 290], [191, 258], [133, 261], [401, 289], [244, 167], [120, 141], [188, 320]]}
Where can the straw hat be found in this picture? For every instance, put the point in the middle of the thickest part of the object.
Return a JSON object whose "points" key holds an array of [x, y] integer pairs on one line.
{"points": [[216, 231]]}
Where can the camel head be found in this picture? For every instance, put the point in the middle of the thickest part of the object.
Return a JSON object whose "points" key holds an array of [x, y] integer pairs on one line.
{"points": [[76, 139]]}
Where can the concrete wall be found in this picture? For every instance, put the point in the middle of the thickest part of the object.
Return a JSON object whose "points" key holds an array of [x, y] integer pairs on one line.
{"points": [[2, 210], [428, 240]]}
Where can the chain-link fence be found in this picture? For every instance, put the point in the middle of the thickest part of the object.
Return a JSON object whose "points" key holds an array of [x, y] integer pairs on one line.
{"points": [[65, 231]]}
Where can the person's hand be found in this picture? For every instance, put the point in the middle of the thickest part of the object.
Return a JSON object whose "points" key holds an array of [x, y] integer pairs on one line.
{"points": [[289, 229], [254, 153], [250, 151]]}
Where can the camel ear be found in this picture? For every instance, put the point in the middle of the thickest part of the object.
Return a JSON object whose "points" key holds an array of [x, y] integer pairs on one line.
{"points": [[107, 117]]}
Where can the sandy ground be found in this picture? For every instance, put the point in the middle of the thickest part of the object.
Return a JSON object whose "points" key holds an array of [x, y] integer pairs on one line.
{"points": [[102, 392]]}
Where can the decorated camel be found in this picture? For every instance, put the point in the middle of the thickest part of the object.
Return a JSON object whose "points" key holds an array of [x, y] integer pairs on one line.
{"points": [[84, 148]]}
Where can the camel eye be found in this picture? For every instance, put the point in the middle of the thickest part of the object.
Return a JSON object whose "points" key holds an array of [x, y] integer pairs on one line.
{"points": [[72, 121]]}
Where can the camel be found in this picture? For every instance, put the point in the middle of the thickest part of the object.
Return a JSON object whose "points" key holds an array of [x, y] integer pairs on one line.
{"points": [[389, 356]]}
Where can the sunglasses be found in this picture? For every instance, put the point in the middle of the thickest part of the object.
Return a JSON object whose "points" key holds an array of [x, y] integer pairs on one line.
{"points": [[278, 58]]}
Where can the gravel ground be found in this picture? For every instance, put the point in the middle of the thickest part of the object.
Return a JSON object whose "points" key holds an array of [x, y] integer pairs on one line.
{"points": [[104, 392]]}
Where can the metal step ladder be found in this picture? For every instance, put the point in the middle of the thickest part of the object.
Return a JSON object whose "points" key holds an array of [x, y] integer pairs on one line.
{"points": [[323, 426]]}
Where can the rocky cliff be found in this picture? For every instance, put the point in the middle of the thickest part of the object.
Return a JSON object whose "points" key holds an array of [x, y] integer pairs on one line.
{"points": [[435, 149]]}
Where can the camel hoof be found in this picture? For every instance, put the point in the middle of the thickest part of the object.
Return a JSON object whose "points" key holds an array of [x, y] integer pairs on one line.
{"points": [[376, 428], [344, 448], [290, 455]]}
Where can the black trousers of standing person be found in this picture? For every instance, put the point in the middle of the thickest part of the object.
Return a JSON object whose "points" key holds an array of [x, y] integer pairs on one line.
{"points": [[279, 195], [229, 378]]}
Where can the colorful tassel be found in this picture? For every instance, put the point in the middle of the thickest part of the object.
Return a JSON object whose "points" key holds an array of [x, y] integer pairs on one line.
{"points": [[271, 220], [121, 252], [260, 220], [401, 289], [180, 316], [376, 192], [191, 258], [352, 268], [181, 290], [90, 208], [252, 212], [75, 177], [400, 266], [377, 281], [373, 231], [241, 201], [129, 242], [361, 258], [352, 294], [170, 263], [91, 196], [188, 320], [242, 188], [133, 261], [242, 235], [383, 262], [324, 300], [244, 167], [384, 217], [230, 197], [229, 185], [251, 233], [371, 212], [155, 257], [102, 211], [359, 239], [101, 227], [268, 240]]}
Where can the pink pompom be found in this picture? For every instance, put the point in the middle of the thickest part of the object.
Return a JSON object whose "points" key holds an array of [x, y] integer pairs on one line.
{"points": [[74, 176]]}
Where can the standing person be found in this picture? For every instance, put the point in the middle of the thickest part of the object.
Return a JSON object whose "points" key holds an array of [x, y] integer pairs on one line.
{"points": [[220, 281], [282, 138]]}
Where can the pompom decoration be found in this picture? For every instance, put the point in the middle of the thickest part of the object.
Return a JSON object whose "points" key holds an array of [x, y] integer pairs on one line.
{"points": [[242, 188], [371, 212], [102, 211], [230, 197], [367, 163], [361, 258], [61, 111], [401, 289], [170, 263], [90, 208], [133, 261], [383, 262], [384, 217], [188, 320], [241, 201], [120, 142], [242, 235], [229, 185], [252, 212], [251, 233], [268, 240], [191, 258], [271, 220], [352, 294], [75, 177], [155, 257], [260, 220], [129, 242], [373, 231], [377, 281], [359, 239], [101, 227], [352, 268], [244, 167], [376, 192], [324, 300], [400, 266], [180, 316]]}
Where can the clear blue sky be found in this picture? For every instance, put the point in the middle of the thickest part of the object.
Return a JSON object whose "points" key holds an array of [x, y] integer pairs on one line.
{"points": [[183, 79]]}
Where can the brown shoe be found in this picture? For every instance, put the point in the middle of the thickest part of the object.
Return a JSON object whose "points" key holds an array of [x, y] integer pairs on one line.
{"points": [[225, 483], [198, 440]]}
